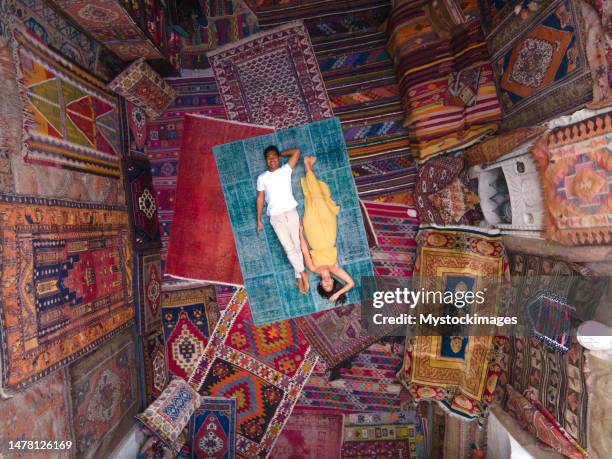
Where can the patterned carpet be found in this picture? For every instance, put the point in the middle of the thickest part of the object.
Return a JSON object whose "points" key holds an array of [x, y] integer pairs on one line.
{"points": [[196, 95], [362, 87], [361, 84]]}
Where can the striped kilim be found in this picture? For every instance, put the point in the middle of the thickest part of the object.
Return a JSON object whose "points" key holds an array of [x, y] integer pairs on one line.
{"points": [[395, 227], [362, 88], [196, 95], [368, 384]]}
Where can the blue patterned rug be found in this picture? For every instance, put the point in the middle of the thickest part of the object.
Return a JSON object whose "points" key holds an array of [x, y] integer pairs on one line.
{"points": [[269, 278]]}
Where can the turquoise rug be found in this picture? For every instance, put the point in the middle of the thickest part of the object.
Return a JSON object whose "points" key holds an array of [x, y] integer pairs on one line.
{"points": [[268, 276]]}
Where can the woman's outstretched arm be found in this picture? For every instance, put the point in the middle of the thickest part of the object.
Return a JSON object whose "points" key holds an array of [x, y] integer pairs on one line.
{"points": [[344, 277], [306, 251]]}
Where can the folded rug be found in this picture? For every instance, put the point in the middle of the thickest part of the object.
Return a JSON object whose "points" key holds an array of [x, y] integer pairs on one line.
{"points": [[445, 78]]}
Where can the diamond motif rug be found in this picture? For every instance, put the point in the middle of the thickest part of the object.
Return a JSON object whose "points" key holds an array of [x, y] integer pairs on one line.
{"points": [[263, 368], [460, 372], [212, 429], [70, 128], [540, 63], [268, 276], [67, 283], [189, 316], [574, 164], [141, 199], [148, 315], [152, 355], [199, 204], [367, 384], [395, 227], [271, 78]]}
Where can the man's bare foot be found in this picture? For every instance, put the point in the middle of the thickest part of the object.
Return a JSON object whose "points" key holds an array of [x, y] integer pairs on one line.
{"points": [[304, 278], [300, 284]]}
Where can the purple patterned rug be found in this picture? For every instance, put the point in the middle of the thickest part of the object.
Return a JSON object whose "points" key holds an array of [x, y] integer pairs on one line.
{"points": [[272, 78]]}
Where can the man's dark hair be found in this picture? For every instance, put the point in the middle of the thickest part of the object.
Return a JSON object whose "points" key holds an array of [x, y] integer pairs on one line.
{"points": [[271, 148]]}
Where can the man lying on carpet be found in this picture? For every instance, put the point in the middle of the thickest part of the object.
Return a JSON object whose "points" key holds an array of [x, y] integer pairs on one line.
{"points": [[275, 186], [320, 228]]}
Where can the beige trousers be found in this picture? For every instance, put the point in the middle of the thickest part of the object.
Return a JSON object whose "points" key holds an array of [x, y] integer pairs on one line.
{"points": [[287, 229]]}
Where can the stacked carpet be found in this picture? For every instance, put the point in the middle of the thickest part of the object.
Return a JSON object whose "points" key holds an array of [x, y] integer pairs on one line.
{"points": [[362, 87], [359, 77], [195, 95], [445, 79]]}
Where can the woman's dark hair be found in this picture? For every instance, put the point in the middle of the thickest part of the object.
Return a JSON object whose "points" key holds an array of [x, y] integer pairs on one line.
{"points": [[337, 286], [271, 148]]}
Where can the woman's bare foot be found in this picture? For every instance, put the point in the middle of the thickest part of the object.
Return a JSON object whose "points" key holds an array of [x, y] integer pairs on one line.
{"points": [[304, 275]]}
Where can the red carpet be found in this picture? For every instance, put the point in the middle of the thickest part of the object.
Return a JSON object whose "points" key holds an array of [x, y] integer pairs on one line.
{"points": [[201, 244]]}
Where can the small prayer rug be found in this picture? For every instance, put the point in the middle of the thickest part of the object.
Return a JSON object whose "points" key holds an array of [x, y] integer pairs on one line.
{"points": [[271, 78], [148, 315], [263, 368], [199, 204], [459, 371], [212, 429], [268, 276], [397, 435], [142, 205], [189, 316], [152, 354]]}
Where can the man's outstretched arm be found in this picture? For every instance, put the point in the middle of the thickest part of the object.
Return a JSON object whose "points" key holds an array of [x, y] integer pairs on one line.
{"points": [[260, 204], [293, 155]]}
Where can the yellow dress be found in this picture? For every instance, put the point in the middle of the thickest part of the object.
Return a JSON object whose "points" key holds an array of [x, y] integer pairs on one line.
{"points": [[320, 220]]}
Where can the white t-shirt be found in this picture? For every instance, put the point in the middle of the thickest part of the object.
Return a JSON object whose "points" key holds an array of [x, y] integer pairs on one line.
{"points": [[277, 190]]}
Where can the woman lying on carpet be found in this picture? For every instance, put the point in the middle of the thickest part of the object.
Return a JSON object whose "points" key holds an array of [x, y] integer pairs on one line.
{"points": [[320, 228]]}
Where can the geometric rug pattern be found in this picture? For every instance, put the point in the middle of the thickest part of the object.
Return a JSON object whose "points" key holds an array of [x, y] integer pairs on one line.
{"points": [[67, 272], [189, 316], [268, 276], [263, 368]]}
